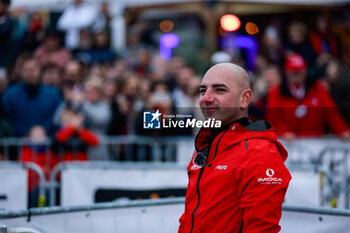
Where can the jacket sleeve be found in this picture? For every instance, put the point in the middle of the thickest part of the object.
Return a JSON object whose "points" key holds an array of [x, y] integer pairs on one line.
{"points": [[263, 182], [88, 137], [64, 134]]}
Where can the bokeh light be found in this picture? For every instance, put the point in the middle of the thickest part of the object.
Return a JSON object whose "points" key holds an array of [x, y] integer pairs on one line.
{"points": [[251, 28], [230, 22], [168, 42], [166, 25]]}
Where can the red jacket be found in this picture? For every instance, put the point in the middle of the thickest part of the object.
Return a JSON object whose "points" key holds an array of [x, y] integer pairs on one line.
{"points": [[42, 156], [307, 117], [242, 185], [86, 137]]}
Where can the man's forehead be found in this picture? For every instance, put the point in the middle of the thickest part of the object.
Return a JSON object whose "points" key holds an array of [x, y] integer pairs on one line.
{"points": [[228, 74], [218, 80]]}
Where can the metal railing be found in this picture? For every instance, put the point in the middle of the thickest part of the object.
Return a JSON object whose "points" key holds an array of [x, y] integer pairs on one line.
{"points": [[336, 160], [152, 211], [35, 168], [119, 148], [146, 203], [166, 149]]}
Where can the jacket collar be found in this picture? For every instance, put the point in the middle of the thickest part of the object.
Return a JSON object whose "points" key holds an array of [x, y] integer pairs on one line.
{"points": [[236, 132], [205, 135]]}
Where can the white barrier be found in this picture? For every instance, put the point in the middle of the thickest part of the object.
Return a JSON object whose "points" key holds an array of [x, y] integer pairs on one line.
{"points": [[13, 186], [157, 216], [85, 183], [140, 216], [304, 189], [314, 220], [88, 183]]}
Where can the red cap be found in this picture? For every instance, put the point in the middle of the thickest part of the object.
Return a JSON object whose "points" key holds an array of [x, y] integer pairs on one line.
{"points": [[295, 62]]}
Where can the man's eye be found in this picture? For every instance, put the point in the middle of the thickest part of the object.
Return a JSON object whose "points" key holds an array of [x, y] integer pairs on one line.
{"points": [[220, 90], [202, 91]]}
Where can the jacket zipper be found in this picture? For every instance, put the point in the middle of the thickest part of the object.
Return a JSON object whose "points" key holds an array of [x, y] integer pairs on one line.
{"points": [[200, 176], [199, 199]]}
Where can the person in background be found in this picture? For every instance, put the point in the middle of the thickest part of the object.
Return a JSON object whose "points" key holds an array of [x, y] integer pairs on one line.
{"points": [[30, 103], [73, 79], [299, 107], [5, 127], [37, 151], [52, 75], [142, 62], [73, 139], [6, 32], [129, 100], [76, 17], [323, 40], [120, 70], [270, 77], [35, 33], [97, 114], [51, 51], [74, 73], [227, 189], [181, 96], [100, 52], [298, 42], [6, 151], [159, 99], [3, 85], [15, 74], [271, 46], [193, 93], [117, 125], [337, 83], [175, 64], [104, 18]]}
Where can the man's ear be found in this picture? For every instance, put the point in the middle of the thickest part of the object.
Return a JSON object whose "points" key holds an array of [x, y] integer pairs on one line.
{"points": [[246, 97]]}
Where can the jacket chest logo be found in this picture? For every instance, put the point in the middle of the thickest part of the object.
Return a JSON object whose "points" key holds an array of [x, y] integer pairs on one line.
{"points": [[221, 167]]}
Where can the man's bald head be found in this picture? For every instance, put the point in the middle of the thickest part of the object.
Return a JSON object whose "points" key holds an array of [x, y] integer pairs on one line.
{"points": [[237, 73], [225, 92]]}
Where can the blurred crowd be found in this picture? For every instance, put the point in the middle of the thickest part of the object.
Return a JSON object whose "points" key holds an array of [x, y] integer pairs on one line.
{"points": [[67, 77]]}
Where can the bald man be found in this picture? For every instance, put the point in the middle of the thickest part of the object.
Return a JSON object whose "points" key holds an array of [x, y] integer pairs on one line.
{"points": [[237, 176]]}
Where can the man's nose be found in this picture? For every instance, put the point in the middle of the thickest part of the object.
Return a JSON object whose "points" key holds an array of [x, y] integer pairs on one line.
{"points": [[208, 97]]}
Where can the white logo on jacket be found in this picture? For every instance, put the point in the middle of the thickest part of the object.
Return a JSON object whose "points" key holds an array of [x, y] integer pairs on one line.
{"points": [[221, 167], [270, 179], [270, 172]]}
